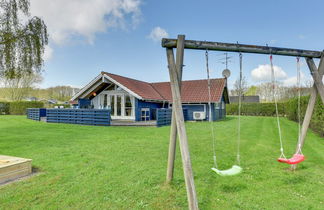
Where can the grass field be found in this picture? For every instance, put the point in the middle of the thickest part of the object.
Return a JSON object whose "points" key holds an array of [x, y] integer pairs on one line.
{"points": [[86, 167]]}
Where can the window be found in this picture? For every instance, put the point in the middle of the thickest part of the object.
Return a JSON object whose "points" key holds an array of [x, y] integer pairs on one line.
{"points": [[112, 104], [145, 114], [119, 103], [217, 105], [105, 101], [128, 106]]}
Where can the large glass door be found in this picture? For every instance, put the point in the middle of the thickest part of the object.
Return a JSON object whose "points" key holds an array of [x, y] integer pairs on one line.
{"points": [[112, 105], [121, 105]]}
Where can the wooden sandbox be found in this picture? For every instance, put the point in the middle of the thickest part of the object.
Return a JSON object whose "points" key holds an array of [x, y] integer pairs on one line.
{"points": [[12, 168]]}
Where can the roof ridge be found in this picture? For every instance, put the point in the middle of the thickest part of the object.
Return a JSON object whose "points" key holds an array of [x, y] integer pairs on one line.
{"points": [[194, 80], [104, 72]]}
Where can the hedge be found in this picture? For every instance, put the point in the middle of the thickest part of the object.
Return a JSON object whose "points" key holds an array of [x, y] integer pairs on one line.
{"points": [[288, 109], [256, 109], [4, 107], [317, 121], [19, 107]]}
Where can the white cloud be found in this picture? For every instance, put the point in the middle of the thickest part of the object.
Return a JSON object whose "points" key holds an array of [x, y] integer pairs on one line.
{"points": [[263, 73], [47, 53], [158, 33], [66, 18], [304, 80]]}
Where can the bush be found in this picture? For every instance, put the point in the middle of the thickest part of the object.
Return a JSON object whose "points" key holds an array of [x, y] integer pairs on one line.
{"points": [[317, 121], [4, 108], [19, 107], [256, 109]]}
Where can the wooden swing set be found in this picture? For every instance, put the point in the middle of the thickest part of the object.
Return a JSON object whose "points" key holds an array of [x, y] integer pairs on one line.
{"points": [[175, 65]]}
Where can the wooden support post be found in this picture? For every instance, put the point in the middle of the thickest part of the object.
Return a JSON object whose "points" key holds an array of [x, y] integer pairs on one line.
{"points": [[310, 107], [173, 130], [184, 148], [316, 77]]}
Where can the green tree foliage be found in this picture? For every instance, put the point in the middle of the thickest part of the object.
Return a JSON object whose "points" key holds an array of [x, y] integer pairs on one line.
{"points": [[252, 91], [22, 43], [19, 107]]}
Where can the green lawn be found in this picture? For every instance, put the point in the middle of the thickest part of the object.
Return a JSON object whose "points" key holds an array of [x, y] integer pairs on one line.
{"points": [[86, 167]]}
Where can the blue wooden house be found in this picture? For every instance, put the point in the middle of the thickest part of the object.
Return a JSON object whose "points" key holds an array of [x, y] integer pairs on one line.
{"points": [[130, 99]]}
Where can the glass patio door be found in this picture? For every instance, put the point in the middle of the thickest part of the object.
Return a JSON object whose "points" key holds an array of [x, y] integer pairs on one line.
{"points": [[118, 104], [121, 105]]}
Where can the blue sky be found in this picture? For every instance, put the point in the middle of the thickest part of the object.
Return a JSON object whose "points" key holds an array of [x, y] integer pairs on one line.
{"points": [[113, 35]]}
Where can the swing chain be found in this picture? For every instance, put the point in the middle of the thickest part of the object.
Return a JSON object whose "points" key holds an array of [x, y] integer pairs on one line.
{"points": [[276, 104], [299, 95], [209, 104], [239, 111]]}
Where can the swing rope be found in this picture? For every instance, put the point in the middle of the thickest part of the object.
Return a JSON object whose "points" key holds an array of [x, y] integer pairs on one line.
{"points": [[239, 113], [235, 169], [298, 108], [273, 80], [298, 156], [209, 104]]}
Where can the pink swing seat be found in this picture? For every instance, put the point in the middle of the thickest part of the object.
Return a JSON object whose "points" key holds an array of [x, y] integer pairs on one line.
{"points": [[297, 158]]}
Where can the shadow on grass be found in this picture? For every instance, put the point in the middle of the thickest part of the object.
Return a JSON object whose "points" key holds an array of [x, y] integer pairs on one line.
{"points": [[227, 118], [295, 180], [233, 188], [36, 169]]}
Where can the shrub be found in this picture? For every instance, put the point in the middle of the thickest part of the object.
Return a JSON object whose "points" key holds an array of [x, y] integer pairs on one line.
{"points": [[19, 107], [4, 108], [317, 121], [256, 109]]}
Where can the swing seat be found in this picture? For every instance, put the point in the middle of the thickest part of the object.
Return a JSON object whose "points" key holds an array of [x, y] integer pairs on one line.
{"points": [[297, 158], [229, 172]]}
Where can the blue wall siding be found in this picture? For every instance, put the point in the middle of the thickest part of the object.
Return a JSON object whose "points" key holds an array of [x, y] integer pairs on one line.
{"points": [[139, 104], [200, 108], [84, 103], [217, 114], [194, 108]]}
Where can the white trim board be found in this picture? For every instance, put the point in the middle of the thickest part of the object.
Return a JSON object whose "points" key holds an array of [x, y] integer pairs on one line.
{"points": [[86, 87], [102, 77], [123, 87]]}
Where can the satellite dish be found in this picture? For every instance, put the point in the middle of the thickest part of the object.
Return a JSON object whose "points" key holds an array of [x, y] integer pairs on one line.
{"points": [[226, 73]]}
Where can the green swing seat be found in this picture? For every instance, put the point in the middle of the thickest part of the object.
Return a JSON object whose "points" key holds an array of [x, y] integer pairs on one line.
{"points": [[229, 172]]}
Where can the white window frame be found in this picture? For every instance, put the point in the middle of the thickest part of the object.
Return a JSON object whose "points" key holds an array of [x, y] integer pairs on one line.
{"points": [[114, 93]]}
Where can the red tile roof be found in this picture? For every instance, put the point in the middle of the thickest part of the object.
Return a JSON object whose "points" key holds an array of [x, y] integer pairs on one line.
{"points": [[193, 91], [143, 89]]}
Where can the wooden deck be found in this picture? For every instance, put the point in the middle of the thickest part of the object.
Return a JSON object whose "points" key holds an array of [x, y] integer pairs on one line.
{"points": [[132, 123], [13, 167]]}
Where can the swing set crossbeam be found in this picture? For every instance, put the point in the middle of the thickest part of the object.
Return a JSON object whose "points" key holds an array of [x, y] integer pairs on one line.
{"points": [[244, 48]]}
